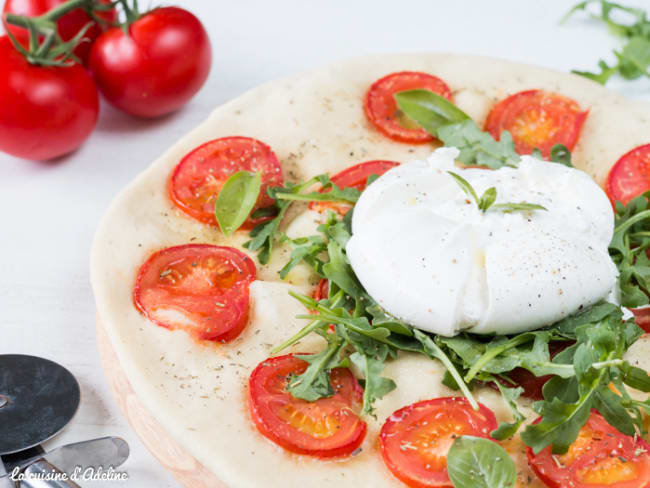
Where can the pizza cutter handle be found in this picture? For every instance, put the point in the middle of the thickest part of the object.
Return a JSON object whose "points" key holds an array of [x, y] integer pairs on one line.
{"points": [[40, 469]]}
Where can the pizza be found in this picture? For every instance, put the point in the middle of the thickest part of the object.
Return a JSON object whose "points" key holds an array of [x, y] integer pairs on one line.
{"points": [[295, 335]]}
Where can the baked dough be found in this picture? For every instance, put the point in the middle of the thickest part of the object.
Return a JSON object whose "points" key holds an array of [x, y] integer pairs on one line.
{"points": [[315, 123]]}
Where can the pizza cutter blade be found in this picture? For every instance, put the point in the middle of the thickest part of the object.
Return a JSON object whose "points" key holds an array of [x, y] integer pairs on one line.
{"points": [[38, 398]]}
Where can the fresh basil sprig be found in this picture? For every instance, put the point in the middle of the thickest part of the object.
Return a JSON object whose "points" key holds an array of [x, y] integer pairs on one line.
{"points": [[474, 462], [633, 59], [486, 202], [236, 200]]}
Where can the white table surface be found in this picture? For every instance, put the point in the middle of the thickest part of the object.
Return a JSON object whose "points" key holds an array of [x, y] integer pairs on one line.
{"points": [[48, 212]]}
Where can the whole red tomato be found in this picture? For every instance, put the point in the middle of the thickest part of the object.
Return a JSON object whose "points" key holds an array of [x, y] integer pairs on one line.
{"points": [[69, 25], [45, 112], [157, 67]]}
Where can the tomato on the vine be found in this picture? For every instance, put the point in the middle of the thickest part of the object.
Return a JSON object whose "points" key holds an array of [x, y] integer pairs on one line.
{"points": [[46, 111], [69, 25], [155, 68]]}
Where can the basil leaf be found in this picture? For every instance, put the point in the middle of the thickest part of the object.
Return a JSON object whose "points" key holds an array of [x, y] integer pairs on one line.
{"points": [[430, 110], [465, 186], [474, 462], [487, 199], [517, 207], [236, 200]]}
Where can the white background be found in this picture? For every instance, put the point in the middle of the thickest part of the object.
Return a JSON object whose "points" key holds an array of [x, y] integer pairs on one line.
{"points": [[48, 211]]}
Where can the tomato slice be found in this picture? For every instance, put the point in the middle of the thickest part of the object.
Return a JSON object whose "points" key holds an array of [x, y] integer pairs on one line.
{"points": [[353, 177], [198, 178], [600, 457], [322, 290], [642, 318], [537, 119], [415, 440], [200, 288], [326, 428], [630, 176], [381, 107]]}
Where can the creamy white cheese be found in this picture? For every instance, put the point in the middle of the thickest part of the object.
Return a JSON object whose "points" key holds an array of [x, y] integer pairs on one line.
{"points": [[429, 256]]}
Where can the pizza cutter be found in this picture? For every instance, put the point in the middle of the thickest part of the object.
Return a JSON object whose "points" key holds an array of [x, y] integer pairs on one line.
{"points": [[38, 398]]}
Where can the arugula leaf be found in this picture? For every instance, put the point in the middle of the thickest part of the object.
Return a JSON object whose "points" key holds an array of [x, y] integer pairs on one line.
{"points": [[307, 249], [339, 271], [375, 387], [560, 425], [474, 462], [510, 395], [597, 361], [236, 200], [265, 234], [478, 148], [314, 383], [329, 192], [609, 405], [591, 315], [432, 350], [634, 58], [628, 248]]}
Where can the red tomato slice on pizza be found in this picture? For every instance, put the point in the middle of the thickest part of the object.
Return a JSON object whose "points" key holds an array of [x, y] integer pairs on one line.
{"points": [[642, 318], [353, 177], [537, 119], [630, 176], [326, 428], [600, 457], [416, 439], [199, 288], [197, 180], [381, 107]]}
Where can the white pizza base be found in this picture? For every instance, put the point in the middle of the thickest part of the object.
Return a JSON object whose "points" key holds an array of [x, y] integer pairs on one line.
{"points": [[315, 123]]}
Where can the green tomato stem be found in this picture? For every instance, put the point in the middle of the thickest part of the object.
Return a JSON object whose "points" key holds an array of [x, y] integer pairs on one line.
{"points": [[60, 10]]}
